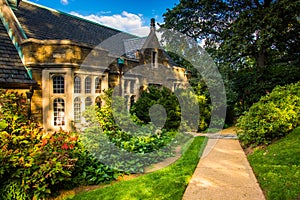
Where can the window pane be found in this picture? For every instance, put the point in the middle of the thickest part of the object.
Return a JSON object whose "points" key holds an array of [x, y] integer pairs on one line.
{"points": [[88, 84], [88, 101], [98, 85], [132, 84], [77, 85], [59, 112], [58, 84], [77, 109]]}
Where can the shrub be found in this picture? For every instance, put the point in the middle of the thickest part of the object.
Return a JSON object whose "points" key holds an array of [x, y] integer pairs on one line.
{"points": [[169, 101], [35, 164], [272, 117], [162, 97]]}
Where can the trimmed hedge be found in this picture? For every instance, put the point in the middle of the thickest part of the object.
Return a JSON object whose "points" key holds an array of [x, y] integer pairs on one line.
{"points": [[275, 115]]}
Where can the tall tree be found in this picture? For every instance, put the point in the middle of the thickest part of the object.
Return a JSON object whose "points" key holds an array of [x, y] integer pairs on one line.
{"points": [[241, 33], [255, 43]]}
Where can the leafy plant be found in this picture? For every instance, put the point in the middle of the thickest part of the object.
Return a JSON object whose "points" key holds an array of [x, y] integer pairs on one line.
{"points": [[168, 183], [163, 97], [128, 151], [275, 115], [35, 164]]}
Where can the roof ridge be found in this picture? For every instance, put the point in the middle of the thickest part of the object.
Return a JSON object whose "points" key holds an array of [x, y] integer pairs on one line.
{"points": [[76, 17], [138, 38]]}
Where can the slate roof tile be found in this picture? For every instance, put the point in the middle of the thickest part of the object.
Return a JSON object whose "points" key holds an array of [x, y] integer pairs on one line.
{"points": [[12, 71], [45, 24]]}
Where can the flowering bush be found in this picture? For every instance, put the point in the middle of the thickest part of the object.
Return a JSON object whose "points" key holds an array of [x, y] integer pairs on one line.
{"points": [[35, 164]]}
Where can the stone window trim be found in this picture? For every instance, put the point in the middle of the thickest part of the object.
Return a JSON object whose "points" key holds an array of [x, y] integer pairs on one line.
{"points": [[77, 109], [98, 102], [154, 59], [77, 84], [58, 84], [88, 85], [98, 85]]}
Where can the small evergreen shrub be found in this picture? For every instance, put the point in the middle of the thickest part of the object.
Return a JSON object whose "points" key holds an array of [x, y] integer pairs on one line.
{"points": [[163, 97], [272, 117]]}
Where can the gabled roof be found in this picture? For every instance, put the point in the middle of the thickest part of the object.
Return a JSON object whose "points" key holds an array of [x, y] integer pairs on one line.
{"points": [[43, 23], [132, 45], [12, 71]]}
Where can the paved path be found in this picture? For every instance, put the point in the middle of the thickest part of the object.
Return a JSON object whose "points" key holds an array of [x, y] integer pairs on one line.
{"points": [[223, 173]]}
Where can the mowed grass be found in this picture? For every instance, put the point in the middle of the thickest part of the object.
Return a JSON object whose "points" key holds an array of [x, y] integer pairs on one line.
{"points": [[277, 167], [167, 183]]}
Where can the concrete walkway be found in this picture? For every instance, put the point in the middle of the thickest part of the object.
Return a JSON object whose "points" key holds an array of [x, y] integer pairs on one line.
{"points": [[223, 173]]}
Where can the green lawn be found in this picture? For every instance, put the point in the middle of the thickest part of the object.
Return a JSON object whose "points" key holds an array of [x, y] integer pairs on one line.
{"points": [[168, 183], [277, 167]]}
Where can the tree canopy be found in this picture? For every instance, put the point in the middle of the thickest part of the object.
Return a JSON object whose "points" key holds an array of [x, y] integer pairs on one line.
{"points": [[254, 43], [246, 33]]}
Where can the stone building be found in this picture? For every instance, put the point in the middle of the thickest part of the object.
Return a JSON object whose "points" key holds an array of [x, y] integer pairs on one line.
{"points": [[69, 61]]}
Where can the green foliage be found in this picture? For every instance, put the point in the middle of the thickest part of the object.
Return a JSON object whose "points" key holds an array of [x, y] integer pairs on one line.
{"points": [[169, 101], [254, 44], [163, 97], [168, 183], [262, 31], [128, 151], [249, 86], [131, 152], [104, 115], [90, 171], [35, 164], [277, 167], [272, 117]]}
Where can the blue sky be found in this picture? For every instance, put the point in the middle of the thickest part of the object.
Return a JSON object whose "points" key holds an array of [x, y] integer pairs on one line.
{"points": [[132, 16]]}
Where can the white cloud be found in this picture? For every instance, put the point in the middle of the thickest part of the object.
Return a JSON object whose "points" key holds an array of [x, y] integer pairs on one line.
{"points": [[64, 2], [125, 21]]}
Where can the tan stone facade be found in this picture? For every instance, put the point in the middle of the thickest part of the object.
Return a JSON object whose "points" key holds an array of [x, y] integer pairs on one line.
{"points": [[72, 74]]}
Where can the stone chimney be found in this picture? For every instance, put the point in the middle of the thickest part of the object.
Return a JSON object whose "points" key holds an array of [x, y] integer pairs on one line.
{"points": [[152, 24]]}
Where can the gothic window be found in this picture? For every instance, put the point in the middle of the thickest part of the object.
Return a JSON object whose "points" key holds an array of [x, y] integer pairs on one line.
{"points": [[154, 59], [77, 109], [97, 85], [77, 85], [88, 101], [58, 85], [132, 84], [132, 100], [59, 112], [88, 85], [98, 102]]}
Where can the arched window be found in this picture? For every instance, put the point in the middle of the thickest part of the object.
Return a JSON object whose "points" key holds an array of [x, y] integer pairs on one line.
{"points": [[132, 100], [77, 109], [59, 112], [97, 85], [88, 85], [98, 102], [58, 85], [77, 85], [154, 59], [88, 101]]}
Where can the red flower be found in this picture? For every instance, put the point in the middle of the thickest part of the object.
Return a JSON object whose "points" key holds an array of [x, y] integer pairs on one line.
{"points": [[71, 146], [65, 146], [44, 142]]}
